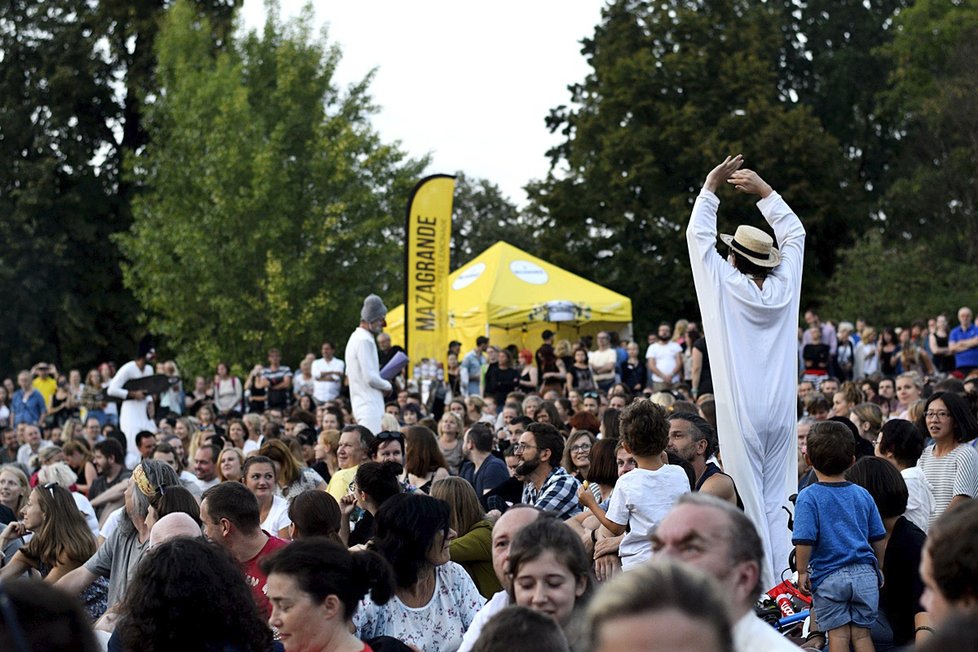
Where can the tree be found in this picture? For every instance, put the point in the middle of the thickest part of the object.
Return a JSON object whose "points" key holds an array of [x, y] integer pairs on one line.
{"points": [[674, 87], [934, 94], [880, 279], [271, 206], [73, 77], [481, 216]]}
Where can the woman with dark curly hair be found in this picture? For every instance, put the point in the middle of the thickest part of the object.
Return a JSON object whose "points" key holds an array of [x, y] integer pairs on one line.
{"points": [[315, 586], [61, 543], [435, 600], [188, 594]]}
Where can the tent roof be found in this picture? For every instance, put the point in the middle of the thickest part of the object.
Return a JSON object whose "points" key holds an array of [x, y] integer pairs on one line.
{"points": [[510, 286]]}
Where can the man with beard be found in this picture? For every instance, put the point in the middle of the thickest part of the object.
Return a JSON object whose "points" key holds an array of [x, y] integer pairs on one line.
{"points": [[546, 484], [693, 439], [367, 388]]}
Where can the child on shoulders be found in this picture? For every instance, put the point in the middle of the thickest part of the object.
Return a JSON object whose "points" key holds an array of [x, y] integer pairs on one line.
{"points": [[645, 495]]}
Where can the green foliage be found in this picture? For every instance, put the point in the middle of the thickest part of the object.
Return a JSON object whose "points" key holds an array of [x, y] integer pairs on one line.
{"points": [[271, 207], [934, 196], [891, 282], [481, 216], [676, 86]]}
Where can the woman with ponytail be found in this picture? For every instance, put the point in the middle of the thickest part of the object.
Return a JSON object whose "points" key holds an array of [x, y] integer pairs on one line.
{"points": [[315, 585]]}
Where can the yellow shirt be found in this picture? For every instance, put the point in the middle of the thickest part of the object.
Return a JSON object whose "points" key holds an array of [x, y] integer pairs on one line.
{"points": [[47, 387], [339, 484]]}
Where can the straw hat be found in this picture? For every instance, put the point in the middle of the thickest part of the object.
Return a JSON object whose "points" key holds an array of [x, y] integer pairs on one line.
{"points": [[754, 245]]}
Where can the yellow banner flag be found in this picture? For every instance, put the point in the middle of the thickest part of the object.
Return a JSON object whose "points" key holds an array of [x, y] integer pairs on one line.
{"points": [[429, 234]]}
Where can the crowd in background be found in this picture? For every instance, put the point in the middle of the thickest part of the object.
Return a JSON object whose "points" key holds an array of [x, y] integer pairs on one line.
{"points": [[511, 495]]}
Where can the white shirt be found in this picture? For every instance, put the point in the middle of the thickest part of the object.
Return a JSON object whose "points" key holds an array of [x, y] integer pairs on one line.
{"points": [[920, 504], [367, 388], [641, 499], [754, 361], [751, 634], [278, 516], [497, 603], [327, 390], [664, 355], [86, 509]]}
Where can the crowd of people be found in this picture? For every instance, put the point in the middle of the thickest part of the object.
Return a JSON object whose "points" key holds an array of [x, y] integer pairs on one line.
{"points": [[570, 497]]}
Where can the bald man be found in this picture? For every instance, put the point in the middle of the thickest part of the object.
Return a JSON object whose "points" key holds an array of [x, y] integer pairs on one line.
{"points": [[171, 526]]}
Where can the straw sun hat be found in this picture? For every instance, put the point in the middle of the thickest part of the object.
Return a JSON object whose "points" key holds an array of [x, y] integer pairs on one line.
{"points": [[754, 245]]}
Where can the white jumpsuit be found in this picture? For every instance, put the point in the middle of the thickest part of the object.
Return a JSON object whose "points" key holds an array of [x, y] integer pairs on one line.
{"points": [[367, 388], [134, 416], [753, 358]]}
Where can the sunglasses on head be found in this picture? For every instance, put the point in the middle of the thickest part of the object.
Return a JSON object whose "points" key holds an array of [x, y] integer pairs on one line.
{"points": [[591, 395], [386, 435]]}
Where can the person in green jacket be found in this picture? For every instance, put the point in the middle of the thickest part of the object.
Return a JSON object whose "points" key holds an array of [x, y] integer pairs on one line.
{"points": [[472, 548]]}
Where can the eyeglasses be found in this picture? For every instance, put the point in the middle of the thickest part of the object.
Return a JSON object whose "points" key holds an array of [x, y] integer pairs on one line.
{"points": [[937, 414], [520, 447], [580, 448]]}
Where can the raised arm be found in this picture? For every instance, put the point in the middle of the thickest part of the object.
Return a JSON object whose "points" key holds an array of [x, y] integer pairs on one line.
{"points": [[787, 227], [701, 233]]}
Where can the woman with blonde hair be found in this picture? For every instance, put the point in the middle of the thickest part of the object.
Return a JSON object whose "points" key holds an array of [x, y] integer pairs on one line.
{"points": [[230, 465], [252, 423], [79, 457], [293, 476], [475, 408], [61, 543], [450, 429], [472, 547], [868, 419], [14, 488], [846, 399]]}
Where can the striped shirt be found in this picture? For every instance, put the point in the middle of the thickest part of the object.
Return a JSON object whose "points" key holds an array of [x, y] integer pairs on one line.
{"points": [[954, 474]]}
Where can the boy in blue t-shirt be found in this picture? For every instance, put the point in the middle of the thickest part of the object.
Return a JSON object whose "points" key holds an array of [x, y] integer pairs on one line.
{"points": [[838, 538]]}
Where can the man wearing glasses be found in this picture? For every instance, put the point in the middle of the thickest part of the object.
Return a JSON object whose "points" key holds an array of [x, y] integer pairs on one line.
{"points": [[546, 484]]}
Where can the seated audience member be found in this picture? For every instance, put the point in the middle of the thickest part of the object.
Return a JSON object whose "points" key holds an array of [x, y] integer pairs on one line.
{"points": [[546, 483], [37, 616], [949, 565], [521, 629], [718, 539], [189, 595], [435, 600], [315, 514], [483, 470], [551, 572], [472, 545], [660, 607], [901, 444], [315, 586]]}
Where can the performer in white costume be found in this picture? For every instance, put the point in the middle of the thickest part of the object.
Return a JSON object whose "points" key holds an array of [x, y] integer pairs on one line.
{"points": [[749, 305], [134, 415], [367, 388]]}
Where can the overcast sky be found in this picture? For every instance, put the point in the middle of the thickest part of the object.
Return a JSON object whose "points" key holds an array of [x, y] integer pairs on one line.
{"points": [[470, 83]]}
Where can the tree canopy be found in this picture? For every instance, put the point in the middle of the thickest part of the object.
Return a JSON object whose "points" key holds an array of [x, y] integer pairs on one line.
{"points": [[271, 205]]}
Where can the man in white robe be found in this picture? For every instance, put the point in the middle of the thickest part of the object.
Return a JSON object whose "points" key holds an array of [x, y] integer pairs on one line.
{"points": [[367, 387], [134, 415], [749, 304]]}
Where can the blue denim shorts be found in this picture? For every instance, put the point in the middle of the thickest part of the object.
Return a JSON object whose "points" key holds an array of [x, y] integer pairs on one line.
{"points": [[848, 595]]}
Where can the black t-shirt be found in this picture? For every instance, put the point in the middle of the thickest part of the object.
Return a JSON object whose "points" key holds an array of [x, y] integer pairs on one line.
{"points": [[633, 375], [706, 376], [500, 382], [900, 595]]}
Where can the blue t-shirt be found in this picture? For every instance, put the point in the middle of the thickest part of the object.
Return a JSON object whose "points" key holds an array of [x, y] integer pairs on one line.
{"points": [[967, 358], [839, 520]]}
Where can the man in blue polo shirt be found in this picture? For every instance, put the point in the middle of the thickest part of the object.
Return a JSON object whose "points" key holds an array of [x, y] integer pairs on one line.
{"points": [[963, 342]]}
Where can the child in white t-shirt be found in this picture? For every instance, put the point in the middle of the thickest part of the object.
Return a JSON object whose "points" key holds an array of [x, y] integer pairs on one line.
{"points": [[644, 496]]}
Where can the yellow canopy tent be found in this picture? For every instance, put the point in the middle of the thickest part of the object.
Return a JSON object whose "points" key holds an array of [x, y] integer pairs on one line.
{"points": [[512, 297]]}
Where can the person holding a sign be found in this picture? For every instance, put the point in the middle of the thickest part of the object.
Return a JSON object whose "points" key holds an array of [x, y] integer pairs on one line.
{"points": [[367, 387]]}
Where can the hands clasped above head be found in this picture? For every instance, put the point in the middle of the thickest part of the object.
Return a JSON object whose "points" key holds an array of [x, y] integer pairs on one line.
{"points": [[744, 180]]}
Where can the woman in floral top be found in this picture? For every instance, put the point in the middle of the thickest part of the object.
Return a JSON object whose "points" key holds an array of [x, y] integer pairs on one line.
{"points": [[436, 600]]}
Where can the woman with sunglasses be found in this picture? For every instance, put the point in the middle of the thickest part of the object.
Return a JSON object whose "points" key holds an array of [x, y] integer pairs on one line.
{"points": [[950, 464], [61, 543]]}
